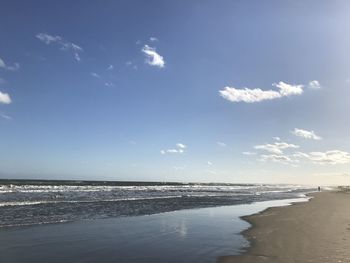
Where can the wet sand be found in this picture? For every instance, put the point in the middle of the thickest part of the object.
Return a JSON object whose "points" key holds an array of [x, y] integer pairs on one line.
{"points": [[314, 231]]}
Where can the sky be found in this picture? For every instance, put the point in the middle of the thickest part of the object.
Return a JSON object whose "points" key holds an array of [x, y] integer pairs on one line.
{"points": [[193, 91]]}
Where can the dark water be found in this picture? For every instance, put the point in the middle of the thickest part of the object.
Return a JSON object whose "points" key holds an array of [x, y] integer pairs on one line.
{"points": [[41, 202]]}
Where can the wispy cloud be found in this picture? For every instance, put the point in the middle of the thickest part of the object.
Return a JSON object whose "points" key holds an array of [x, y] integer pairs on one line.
{"points": [[131, 64], [329, 157], [181, 146], [102, 79], [180, 149], [249, 153], [5, 98], [62, 43], [276, 152], [153, 39], [222, 144], [5, 116], [257, 95], [276, 147], [109, 84], [306, 134], [95, 75], [278, 158], [332, 157], [13, 67], [110, 67], [314, 84], [152, 57]]}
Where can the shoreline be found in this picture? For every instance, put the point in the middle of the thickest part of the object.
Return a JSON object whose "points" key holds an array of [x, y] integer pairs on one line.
{"points": [[298, 232]]}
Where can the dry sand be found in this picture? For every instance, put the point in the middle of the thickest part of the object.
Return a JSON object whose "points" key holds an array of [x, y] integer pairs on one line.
{"points": [[315, 231]]}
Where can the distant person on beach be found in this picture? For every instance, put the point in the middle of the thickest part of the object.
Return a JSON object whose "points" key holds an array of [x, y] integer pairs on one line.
{"points": [[319, 189]]}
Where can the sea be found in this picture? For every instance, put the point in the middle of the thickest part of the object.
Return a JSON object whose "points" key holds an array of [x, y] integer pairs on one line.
{"points": [[36, 202]]}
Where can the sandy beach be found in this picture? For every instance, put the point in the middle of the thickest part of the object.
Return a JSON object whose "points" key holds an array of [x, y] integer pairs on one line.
{"points": [[314, 231]]}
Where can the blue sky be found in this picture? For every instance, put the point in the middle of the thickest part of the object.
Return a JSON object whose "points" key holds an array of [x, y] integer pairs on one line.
{"points": [[218, 91]]}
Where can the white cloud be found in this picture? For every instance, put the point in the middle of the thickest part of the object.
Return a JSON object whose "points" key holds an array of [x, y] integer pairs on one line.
{"points": [[257, 95], [153, 39], [180, 148], [94, 74], [329, 157], [276, 138], [300, 155], [62, 43], [181, 145], [152, 57], [5, 98], [248, 95], [172, 151], [248, 153], [314, 84], [306, 134], [276, 147], [47, 39], [287, 89], [209, 163], [14, 67], [110, 67]]}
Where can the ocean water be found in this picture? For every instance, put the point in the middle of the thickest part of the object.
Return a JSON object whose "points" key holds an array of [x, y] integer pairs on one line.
{"points": [[188, 236], [25, 203]]}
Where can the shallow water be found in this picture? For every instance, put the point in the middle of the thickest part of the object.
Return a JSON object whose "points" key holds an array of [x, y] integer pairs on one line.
{"points": [[196, 235]]}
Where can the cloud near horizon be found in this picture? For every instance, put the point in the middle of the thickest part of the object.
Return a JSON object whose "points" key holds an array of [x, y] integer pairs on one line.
{"points": [[332, 157], [256, 95], [64, 44], [306, 134], [278, 158], [329, 157], [276, 147], [152, 57]]}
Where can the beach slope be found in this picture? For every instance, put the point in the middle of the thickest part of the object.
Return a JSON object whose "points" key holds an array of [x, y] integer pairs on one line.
{"points": [[314, 231]]}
